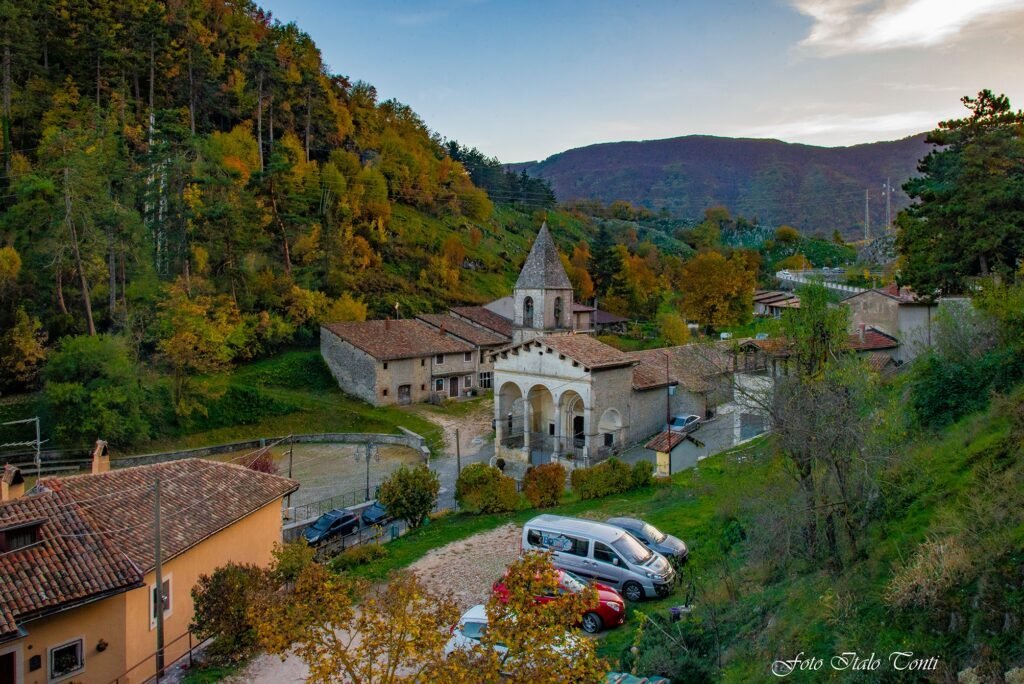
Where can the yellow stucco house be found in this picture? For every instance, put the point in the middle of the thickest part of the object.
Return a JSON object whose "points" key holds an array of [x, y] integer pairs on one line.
{"points": [[77, 558]]}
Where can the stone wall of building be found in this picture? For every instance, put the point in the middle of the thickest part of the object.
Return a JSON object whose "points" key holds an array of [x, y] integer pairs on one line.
{"points": [[354, 369], [874, 310]]}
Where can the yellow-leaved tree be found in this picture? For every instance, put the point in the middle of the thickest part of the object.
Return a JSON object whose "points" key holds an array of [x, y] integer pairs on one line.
{"points": [[718, 291]]}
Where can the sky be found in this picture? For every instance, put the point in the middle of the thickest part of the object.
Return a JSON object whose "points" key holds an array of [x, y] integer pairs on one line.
{"points": [[524, 79]]}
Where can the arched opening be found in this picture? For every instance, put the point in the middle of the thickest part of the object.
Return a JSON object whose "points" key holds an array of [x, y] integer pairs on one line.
{"points": [[542, 422], [574, 428], [510, 412], [610, 429], [528, 312], [558, 312]]}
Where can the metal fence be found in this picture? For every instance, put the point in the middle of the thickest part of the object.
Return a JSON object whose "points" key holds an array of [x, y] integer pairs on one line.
{"points": [[315, 509]]}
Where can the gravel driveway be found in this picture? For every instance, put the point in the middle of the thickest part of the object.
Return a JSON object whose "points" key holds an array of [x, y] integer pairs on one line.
{"points": [[469, 567]]}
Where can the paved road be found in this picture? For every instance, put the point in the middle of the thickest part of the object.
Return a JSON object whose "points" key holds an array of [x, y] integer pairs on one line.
{"points": [[446, 467]]}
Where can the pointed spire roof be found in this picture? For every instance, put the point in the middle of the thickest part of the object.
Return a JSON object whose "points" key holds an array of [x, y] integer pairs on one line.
{"points": [[543, 268]]}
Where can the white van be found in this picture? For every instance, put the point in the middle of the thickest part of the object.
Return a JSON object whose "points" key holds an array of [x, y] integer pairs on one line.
{"points": [[601, 552]]}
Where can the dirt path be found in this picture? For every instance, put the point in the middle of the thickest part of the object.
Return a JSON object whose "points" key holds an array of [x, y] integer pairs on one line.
{"points": [[473, 420]]}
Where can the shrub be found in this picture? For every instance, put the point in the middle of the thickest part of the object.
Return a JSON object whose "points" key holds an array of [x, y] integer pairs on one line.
{"points": [[681, 651], [221, 603], [358, 555], [410, 493], [937, 566], [544, 484], [290, 560], [611, 477], [642, 474], [482, 488]]}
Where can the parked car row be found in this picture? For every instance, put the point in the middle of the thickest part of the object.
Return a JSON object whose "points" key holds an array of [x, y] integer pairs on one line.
{"points": [[341, 522], [624, 555]]}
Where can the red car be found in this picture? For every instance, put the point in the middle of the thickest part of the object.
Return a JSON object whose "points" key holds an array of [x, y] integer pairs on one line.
{"points": [[609, 612]]}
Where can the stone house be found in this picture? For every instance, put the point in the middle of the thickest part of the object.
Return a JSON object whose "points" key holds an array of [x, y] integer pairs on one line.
{"points": [[482, 339], [398, 361], [897, 313], [78, 599]]}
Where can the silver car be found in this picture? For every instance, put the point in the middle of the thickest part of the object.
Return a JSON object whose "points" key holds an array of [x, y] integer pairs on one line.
{"points": [[601, 552]]}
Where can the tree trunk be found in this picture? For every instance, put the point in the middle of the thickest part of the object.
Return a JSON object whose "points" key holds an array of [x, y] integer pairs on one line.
{"points": [[270, 123], [61, 304], [307, 123], [73, 234], [284, 234], [7, 110], [97, 80], [259, 117], [152, 80], [112, 277], [191, 95]]}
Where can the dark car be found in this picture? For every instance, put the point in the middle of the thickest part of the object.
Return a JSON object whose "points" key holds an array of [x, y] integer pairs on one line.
{"points": [[331, 524], [375, 514], [650, 536]]}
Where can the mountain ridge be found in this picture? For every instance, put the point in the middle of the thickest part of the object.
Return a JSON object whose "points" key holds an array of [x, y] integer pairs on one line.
{"points": [[816, 188]]}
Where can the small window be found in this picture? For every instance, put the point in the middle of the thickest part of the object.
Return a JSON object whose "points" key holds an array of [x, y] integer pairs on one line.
{"points": [[439, 385], [423, 362], [66, 659], [153, 602], [423, 388], [467, 381], [485, 380], [558, 542], [19, 537], [468, 356], [439, 359], [385, 365], [528, 312], [604, 554], [609, 439], [551, 429], [384, 392]]}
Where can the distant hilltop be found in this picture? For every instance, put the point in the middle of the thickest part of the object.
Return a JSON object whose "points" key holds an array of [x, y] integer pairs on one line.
{"points": [[817, 189]]}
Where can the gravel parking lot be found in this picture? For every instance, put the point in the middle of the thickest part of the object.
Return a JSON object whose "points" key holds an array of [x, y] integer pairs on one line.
{"points": [[468, 568]]}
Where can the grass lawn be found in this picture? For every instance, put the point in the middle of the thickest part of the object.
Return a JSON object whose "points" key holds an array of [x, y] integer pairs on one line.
{"points": [[691, 507], [304, 398]]}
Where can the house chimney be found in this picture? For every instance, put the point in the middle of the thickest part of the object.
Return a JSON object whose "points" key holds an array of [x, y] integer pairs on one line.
{"points": [[442, 329], [387, 324], [862, 332], [100, 458], [12, 484]]}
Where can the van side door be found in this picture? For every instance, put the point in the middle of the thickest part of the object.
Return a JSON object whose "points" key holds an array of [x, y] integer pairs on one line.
{"points": [[567, 551], [607, 567]]}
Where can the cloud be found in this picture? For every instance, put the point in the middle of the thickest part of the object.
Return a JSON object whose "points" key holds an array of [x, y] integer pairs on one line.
{"points": [[844, 129], [848, 26]]}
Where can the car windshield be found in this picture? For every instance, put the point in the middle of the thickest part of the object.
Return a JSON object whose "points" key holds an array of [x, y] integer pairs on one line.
{"points": [[572, 583], [323, 523], [653, 533], [634, 551], [473, 630]]}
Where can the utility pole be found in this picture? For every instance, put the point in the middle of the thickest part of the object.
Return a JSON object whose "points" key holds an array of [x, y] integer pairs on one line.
{"points": [[369, 452], [668, 413], [158, 601], [458, 455], [291, 452], [867, 214], [888, 205]]}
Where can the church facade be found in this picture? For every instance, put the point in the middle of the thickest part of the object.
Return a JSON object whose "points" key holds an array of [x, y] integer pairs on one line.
{"points": [[561, 394]]}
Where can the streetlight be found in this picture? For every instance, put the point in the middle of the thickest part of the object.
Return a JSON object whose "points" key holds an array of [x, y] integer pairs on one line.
{"points": [[371, 453]]}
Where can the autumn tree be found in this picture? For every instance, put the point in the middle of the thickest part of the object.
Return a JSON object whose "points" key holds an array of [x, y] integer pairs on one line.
{"points": [[22, 351], [787, 235], [198, 335], [410, 493], [531, 641], [673, 328], [396, 634], [717, 291]]}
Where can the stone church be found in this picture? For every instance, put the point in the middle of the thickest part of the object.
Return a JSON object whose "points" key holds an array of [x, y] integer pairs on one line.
{"points": [[561, 394]]}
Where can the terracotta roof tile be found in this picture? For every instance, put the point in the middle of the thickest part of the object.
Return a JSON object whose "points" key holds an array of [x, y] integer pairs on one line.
{"points": [[871, 339], [587, 350], [481, 337], [485, 317], [69, 564], [878, 361], [197, 499], [692, 366], [401, 339], [665, 441]]}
